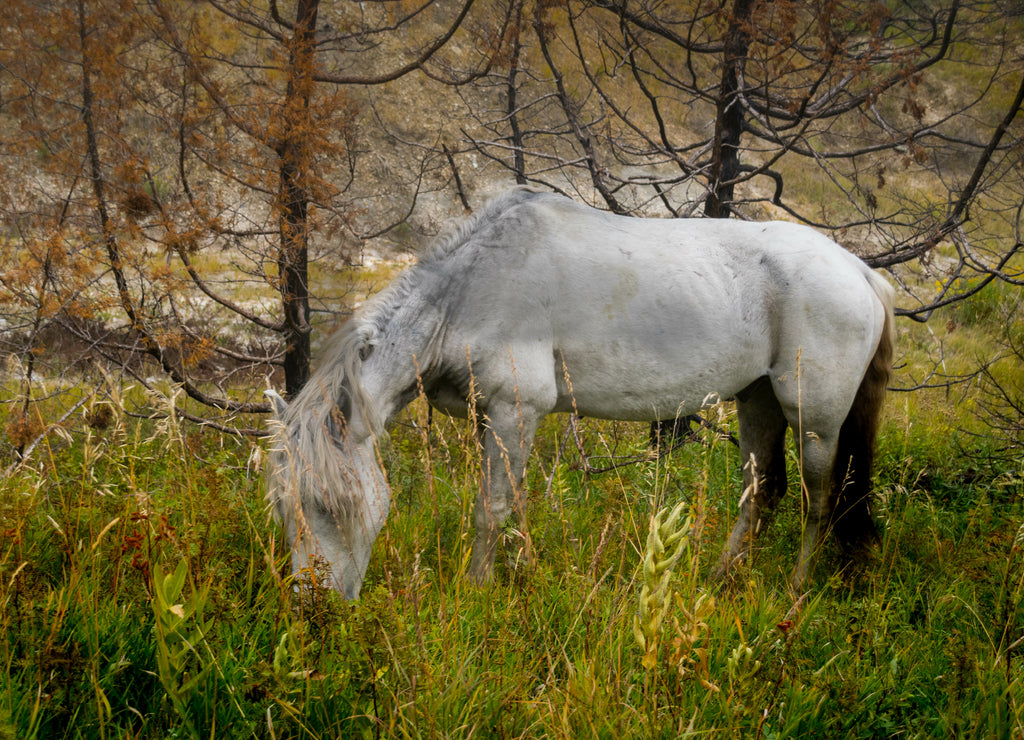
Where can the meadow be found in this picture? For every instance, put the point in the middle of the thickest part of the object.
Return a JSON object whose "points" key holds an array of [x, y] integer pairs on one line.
{"points": [[144, 590]]}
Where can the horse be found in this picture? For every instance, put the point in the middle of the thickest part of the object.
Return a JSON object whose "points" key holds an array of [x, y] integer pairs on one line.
{"points": [[538, 304]]}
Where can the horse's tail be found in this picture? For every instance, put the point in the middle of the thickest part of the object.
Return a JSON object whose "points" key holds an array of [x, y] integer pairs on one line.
{"points": [[851, 513]]}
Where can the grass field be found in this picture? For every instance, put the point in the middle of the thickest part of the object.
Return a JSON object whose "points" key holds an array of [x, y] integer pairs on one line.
{"points": [[143, 591]]}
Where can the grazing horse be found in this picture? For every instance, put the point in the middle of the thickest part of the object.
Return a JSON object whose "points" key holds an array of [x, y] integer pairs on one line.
{"points": [[538, 304]]}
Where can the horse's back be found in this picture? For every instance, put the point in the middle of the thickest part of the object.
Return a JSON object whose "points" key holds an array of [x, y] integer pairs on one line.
{"points": [[580, 245]]}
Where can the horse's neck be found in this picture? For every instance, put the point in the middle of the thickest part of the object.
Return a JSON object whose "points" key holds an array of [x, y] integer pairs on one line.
{"points": [[404, 353]]}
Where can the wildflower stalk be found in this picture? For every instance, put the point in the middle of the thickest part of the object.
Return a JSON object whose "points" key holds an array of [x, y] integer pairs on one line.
{"points": [[665, 543]]}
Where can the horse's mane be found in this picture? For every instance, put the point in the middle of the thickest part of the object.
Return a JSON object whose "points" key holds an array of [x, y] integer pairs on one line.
{"points": [[308, 449], [377, 312], [374, 316], [307, 454], [492, 211]]}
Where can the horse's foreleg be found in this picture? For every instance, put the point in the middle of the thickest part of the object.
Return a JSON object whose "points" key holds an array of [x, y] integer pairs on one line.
{"points": [[507, 435]]}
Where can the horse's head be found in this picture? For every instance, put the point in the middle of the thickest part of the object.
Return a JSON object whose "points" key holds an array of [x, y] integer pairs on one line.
{"points": [[329, 491]]}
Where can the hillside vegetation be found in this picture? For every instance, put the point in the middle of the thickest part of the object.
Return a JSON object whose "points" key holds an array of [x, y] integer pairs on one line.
{"points": [[145, 594]]}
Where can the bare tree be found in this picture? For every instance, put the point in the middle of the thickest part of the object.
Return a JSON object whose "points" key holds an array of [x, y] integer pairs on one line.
{"points": [[172, 171], [306, 130]]}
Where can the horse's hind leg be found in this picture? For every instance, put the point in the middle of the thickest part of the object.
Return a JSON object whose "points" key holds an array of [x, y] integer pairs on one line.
{"points": [[762, 446], [817, 456], [507, 433]]}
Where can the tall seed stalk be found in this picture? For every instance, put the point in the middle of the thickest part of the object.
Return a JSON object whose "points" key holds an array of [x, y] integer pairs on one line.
{"points": [[666, 540]]}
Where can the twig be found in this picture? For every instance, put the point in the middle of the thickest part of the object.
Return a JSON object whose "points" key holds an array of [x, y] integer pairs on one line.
{"points": [[42, 435]]}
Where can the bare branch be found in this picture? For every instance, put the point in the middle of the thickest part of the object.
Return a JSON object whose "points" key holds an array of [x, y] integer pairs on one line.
{"points": [[416, 64]]}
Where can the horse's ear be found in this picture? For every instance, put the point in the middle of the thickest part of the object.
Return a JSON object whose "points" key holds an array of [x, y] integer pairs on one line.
{"points": [[278, 404]]}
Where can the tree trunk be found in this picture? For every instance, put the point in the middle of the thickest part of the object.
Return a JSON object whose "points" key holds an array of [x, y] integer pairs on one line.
{"points": [[516, 140], [725, 158], [293, 163]]}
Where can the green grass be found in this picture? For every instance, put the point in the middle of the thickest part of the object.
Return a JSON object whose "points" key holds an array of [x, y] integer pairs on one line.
{"points": [[144, 595]]}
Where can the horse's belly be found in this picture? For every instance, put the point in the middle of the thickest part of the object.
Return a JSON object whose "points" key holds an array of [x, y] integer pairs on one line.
{"points": [[651, 385]]}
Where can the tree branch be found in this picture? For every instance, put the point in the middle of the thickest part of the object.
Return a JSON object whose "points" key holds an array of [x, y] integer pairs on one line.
{"points": [[423, 58]]}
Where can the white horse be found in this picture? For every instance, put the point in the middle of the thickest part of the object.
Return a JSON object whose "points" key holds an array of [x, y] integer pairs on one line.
{"points": [[538, 304]]}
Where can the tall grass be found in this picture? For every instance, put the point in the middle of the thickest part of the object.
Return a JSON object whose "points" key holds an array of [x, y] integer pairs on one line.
{"points": [[144, 595]]}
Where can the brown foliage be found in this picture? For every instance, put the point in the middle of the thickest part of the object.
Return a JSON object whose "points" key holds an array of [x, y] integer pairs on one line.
{"points": [[169, 168]]}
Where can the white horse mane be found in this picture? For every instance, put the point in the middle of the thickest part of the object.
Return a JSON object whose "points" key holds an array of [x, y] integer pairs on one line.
{"points": [[306, 450], [490, 212], [378, 310], [372, 318]]}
